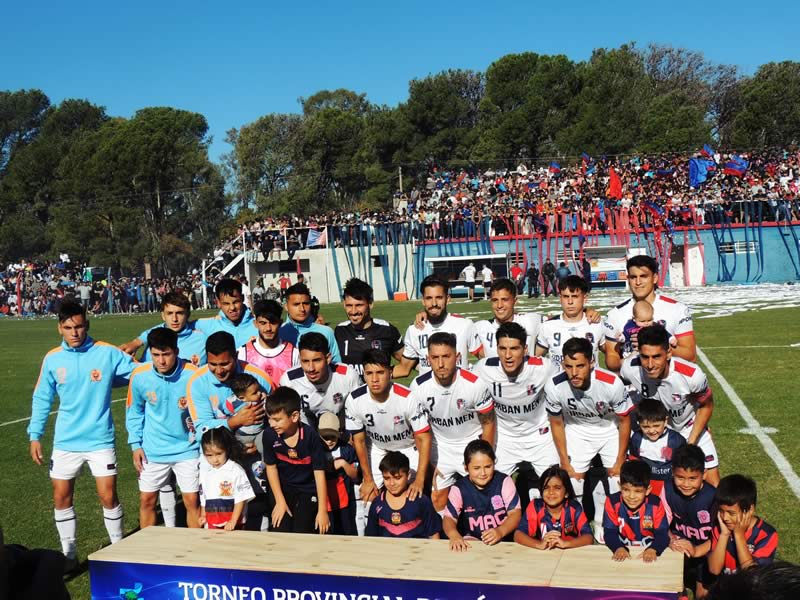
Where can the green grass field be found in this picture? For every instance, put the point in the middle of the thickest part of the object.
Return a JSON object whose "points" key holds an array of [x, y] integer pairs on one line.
{"points": [[764, 377]]}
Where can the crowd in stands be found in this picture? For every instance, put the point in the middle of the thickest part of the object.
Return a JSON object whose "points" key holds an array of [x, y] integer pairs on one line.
{"points": [[644, 192]]}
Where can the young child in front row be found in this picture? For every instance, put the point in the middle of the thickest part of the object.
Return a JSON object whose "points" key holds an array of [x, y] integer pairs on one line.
{"points": [[634, 517], [295, 459], [556, 519], [689, 504], [224, 487], [392, 514], [341, 473], [739, 539], [246, 390], [483, 505], [654, 442]]}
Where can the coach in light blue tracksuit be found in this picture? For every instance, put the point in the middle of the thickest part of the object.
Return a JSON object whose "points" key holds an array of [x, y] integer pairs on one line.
{"points": [[234, 317], [160, 432], [82, 372]]}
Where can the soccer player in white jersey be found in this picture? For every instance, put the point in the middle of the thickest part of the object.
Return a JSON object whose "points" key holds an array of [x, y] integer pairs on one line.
{"points": [[680, 386], [571, 323], [674, 316], [435, 296], [517, 382], [384, 416], [322, 386], [460, 409], [503, 297], [589, 411]]}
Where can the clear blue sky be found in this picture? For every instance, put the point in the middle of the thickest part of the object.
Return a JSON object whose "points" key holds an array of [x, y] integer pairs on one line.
{"points": [[235, 61]]}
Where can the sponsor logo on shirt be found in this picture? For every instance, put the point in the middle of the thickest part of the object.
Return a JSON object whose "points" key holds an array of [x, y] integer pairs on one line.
{"points": [[703, 516], [497, 502]]}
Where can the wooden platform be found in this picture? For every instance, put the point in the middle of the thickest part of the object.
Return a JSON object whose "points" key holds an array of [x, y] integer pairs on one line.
{"points": [[394, 559]]}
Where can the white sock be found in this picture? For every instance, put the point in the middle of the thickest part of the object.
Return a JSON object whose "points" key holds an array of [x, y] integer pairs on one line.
{"points": [[166, 498], [67, 525], [362, 512], [113, 520], [265, 523]]}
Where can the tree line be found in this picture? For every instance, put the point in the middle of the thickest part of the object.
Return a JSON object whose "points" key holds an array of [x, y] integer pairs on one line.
{"points": [[121, 192]]}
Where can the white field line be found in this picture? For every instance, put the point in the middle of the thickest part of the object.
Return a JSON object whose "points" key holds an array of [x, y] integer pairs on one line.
{"points": [[754, 427], [51, 412], [736, 347]]}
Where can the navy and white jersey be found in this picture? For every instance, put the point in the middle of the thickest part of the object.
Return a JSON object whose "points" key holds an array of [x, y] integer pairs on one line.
{"points": [[593, 410], [683, 389], [318, 398], [554, 333], [416, 519], [487, 328], [416, 340], [673, 315], [518, 401], [453, 410], [691, 518], [646, 526], [389, 425], [477, 510], [762, 541], [296, 465], [352, 342], [537, 521], [657, 454]]}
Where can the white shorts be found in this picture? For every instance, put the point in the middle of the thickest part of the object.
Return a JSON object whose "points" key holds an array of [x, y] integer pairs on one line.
{"points": [[706, 444], [582, 448], [155, 475], [67, 465], [448, 462], [376, 455], [537, 449]]}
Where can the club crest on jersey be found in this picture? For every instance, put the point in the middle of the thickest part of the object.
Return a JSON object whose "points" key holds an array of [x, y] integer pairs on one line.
{"points": [[590, 337], [396, 518], [189, 424], [397, 419], [338, 398], [195, 360], [647, 522], [677, 398], [703, 516], [61, 375], [183, 403], [225, 489], [376, 344], [666, 453], [600, 407], [531, 390], [497, 502], [96, 375], [460, 404], [292, 453]]}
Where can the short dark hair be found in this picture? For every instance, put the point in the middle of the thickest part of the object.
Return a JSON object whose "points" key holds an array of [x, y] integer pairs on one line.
{"points": [[689, 457], [737, 490], [299, 289], [504, 283], [434, 281], [635, 472], [162, 338], [69, 309], [283, 399], [642, 261], [575, 346], [394, 462], [651, 410], [653, 335], [358, 289], [176, 299], [271, 310], [314, 341], [374, 356], [240, 382], [227, 287], [511, 330], [220, 343], [572, 283], [478, 446], [443, 338]]}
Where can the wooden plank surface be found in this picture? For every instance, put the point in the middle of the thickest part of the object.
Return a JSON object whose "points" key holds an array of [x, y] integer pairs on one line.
{"points": [[589, 567]]}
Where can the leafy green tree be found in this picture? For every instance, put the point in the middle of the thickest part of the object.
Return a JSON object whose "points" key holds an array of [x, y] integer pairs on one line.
{"points": [[21, 116]]}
